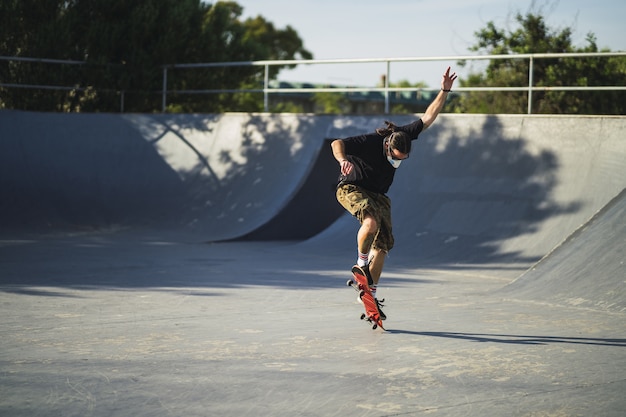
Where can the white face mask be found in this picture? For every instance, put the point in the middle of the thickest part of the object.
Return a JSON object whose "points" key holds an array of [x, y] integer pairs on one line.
{"points": [[394, 162]]}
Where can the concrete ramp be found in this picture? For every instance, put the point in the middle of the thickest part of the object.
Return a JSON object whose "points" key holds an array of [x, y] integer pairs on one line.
{"points": [[497, 192], [222, 176], [491, 192], [587, 270]]}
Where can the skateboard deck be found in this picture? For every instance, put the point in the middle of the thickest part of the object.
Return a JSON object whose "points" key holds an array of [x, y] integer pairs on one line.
{"points": [[359, 283]]}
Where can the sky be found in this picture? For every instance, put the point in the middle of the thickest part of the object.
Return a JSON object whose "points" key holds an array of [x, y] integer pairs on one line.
{"points": [[339, 29]]}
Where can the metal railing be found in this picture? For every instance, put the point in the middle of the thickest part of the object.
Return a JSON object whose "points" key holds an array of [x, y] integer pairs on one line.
{"points": [[386, 90], [267, 90], [53, 87]]}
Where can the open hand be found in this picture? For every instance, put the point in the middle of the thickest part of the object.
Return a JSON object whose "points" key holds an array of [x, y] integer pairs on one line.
{"points": [[448, 79]]}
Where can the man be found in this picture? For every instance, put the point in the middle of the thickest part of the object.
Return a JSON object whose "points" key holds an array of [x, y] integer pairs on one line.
{"points": [[368, 165]]}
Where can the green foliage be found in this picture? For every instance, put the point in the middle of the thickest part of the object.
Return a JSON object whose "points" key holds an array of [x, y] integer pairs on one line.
{"points": [[287, 107], [533, 36], [126, 44], [405, 84], [331, 103], [400, 108]]}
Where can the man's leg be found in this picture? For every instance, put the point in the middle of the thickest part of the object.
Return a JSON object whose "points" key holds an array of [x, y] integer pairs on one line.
{"points": [[376, 266], [358, 203], [376, 269], [366, 234], [383, 242]]}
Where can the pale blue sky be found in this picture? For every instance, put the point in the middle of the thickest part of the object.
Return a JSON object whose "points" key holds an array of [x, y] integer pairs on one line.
{"points": [[334, 29]]}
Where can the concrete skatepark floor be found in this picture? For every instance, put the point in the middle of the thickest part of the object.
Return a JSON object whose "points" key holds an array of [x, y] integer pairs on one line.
{"points": [[144, 325]]}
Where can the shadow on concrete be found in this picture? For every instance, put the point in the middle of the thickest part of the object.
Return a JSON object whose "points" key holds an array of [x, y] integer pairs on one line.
{"points": [[464, 192], [312, 209], [585, 270], [200, 173], [471, 190], [516, 339], [80, 172]]}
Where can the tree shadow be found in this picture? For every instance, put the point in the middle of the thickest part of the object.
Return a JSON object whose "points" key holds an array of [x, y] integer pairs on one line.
{"points": [[470, 189], [220, 176], [240, 175]]}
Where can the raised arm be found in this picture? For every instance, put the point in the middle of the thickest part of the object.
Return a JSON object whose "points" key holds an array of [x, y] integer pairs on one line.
{"points": [[435, 107]]}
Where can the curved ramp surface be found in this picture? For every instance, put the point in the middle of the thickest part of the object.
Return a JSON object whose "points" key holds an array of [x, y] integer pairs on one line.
{"points": [[220, 175], [587, 270], [490, 191]]}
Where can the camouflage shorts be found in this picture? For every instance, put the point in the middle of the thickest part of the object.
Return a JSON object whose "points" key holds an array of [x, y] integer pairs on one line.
{"points": [[359, 201]]}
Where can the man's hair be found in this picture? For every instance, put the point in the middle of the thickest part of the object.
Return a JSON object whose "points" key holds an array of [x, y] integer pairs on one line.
{"points": [[398, 139]]}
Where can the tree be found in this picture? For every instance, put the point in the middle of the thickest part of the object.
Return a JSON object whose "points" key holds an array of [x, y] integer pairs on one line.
{"points": [[32, 28], [402, 108], [251, 40], [126, 44], [534, 36], [331, 103]]}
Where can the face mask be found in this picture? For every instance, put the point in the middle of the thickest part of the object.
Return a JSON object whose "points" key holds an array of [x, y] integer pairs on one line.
{"points": [[394, 162]]}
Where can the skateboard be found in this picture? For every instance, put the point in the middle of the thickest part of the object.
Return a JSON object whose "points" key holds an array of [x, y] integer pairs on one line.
{"points": [[359, 283]]}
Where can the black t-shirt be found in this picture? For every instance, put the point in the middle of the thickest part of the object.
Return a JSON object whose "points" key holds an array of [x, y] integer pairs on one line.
{"points": [[371, 170]]}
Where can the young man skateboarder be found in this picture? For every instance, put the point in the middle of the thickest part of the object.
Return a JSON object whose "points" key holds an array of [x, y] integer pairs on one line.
{"points": [[368, 164]]}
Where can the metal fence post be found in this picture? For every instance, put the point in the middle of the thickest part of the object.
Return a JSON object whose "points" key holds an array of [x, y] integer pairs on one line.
{"points": [[387, 87], [164, 93], [266, 85], [530, 85]]}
